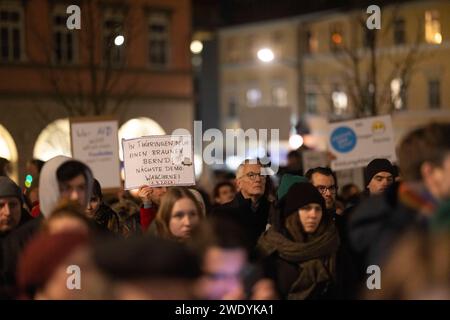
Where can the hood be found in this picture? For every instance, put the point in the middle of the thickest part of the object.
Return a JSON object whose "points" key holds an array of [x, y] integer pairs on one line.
{"points": [[49, 194]]}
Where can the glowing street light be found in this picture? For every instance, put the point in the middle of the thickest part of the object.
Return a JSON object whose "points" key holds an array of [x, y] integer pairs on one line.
{"points": [[295, 141], [119, 40], [196, 46], [265, 55]]}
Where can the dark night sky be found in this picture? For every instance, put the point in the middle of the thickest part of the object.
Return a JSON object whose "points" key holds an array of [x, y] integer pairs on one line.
{"points": [[210, 14]]}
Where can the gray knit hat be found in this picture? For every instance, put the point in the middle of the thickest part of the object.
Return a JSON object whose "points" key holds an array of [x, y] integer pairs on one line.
{"points": [[9, 188]]}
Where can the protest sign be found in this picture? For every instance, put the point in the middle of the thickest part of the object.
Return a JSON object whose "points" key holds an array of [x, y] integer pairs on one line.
{"points": [[94, 141], [158, 161], [355, 143]]}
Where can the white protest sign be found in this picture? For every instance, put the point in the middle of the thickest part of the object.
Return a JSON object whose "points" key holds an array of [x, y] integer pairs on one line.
{"points": [[95, 142], [158, 161], [313, 159], [355, 143]]}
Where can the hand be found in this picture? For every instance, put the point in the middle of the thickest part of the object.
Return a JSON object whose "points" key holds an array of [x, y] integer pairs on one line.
{"points": [[145, 193], [264, 289]]}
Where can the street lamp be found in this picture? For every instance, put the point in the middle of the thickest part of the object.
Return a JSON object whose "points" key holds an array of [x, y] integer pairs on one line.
{"points": [[295, 141], [119, 40], [265, 55], [196, 47]]}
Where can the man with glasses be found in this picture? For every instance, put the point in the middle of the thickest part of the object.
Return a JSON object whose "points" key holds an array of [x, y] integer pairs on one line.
{"points": [[324, 179], [250, 206]]}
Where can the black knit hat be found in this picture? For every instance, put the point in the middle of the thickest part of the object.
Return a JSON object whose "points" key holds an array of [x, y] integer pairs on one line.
{"points": [[9, 188], [378, 165], [301, 194]]}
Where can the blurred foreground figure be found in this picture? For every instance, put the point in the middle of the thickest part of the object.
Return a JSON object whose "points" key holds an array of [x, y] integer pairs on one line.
{"points": [[417, 269], [43, 267], [227, 273], [148, 268], [379, 221]]}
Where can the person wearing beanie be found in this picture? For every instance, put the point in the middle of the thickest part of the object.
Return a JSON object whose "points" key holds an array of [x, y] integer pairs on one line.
{"points": [[379, 175], [12, 213], [304, 247]]}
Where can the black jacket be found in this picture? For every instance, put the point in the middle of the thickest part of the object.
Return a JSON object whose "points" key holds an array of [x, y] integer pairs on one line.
{"points": [[252, 221], [377, 223], [11, 247]]}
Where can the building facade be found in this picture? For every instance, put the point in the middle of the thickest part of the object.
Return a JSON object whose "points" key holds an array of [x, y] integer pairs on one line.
{"points": [[331, 65], [129, 59]]}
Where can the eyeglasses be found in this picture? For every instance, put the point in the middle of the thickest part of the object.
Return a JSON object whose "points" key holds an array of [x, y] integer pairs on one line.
{"points": [[323, 189], [252, 176]]}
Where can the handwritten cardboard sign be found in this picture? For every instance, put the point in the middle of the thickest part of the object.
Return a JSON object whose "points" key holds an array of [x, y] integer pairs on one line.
{"points": [[94, 141], [158, 161]]}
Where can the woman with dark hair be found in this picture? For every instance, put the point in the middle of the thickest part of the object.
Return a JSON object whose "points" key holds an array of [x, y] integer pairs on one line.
{"points": [[102, 214], [303, 247]]}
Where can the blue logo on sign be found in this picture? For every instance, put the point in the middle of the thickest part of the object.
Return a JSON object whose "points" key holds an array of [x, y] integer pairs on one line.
{"points": [[343, 139]]}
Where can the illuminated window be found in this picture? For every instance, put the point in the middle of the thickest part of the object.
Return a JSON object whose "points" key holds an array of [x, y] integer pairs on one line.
{"points": [[340, 102], [312, 44], [397, 93], [11, 32], [432, 27], [53, 141], [279, 96], [254, 97], [336, 37], [136, 128]]}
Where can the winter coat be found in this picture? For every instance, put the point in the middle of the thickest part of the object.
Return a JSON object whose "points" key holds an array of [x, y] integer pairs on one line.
{"points": [[240, 211], [305, 269]]}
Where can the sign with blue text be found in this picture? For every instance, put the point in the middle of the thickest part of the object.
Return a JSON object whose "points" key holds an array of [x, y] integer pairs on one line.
{"points": [[158, 161], [355, 143], [95, 142]]}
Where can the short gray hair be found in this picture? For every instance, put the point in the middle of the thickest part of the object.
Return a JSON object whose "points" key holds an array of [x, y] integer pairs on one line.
{"points": [[240, 169]]}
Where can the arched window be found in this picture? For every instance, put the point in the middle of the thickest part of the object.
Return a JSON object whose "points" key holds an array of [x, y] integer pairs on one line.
{"points": [[8, 151], [136, 128], [53, 141]]}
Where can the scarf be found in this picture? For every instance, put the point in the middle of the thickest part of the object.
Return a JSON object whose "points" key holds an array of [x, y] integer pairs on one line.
{"points": [[314, 255]]}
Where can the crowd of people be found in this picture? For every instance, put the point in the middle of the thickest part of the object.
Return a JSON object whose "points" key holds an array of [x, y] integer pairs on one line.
{"points": [[303, 237]]}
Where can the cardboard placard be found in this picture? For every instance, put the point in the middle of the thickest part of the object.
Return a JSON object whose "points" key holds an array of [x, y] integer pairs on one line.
{"points": [[355, 143], [158, 161], [95, 142]]}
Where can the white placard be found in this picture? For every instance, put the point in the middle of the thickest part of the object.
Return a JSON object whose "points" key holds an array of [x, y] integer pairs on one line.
{"points": [[158, 161], [313, 159], [355, 143], [96, 143]]}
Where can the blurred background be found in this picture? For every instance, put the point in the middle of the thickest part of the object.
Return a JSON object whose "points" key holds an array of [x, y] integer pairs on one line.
{"points": [[158, 65]]}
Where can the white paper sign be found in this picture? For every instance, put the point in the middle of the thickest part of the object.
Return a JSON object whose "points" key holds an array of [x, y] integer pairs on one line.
{"points": [[158, 161], [313, 159], [96, 144], [355, 143]]}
